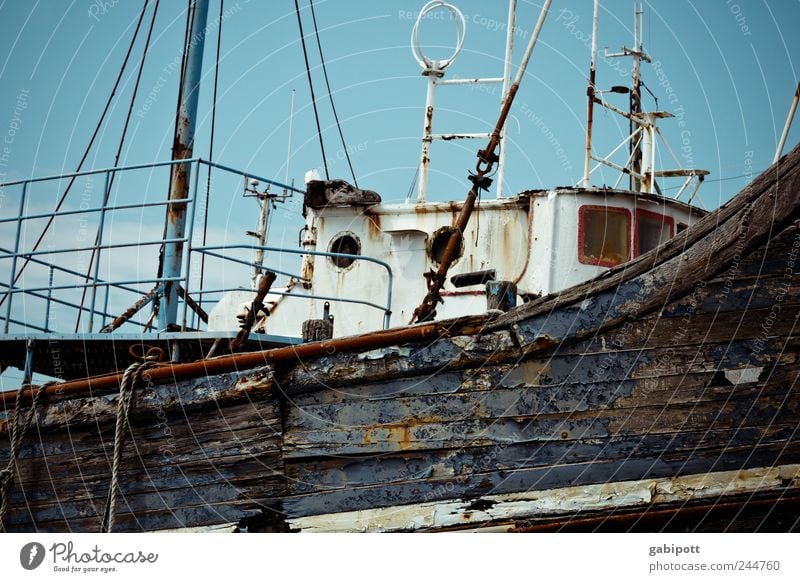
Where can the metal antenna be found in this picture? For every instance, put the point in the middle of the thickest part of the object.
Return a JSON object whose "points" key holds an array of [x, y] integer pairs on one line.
{"points": [[636, 97], [511, 26], [641, 140], [590, 91], [788, 125]]}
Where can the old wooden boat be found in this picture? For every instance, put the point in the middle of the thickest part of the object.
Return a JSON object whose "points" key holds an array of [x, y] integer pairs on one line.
{"points": [[661, 395], [646, 380]]}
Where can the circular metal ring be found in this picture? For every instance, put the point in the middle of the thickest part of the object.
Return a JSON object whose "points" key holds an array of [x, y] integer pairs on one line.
{"points": [[461, 27]]}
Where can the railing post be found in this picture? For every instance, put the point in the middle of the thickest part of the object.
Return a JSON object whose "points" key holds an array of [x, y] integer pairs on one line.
{"points": [[387, 315], [105, 306], [190, 233], [99, 248], [22, 199], [49, 297]]}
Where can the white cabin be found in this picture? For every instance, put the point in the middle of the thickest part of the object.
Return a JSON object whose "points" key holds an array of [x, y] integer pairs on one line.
{"points": [[543, 241]]}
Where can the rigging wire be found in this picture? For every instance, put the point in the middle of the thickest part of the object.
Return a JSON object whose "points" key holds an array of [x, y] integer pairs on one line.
{"points": [[107, 193], [311, 87], [85, 155], [413, 185], [330, 94], [211, 150]]}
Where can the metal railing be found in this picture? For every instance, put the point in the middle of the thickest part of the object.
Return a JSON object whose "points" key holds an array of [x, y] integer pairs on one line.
{"points": [[89, 282], [387, 309]]}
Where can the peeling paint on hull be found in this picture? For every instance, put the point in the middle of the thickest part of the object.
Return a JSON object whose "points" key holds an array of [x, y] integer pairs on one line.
{"points": [[524, 506]]}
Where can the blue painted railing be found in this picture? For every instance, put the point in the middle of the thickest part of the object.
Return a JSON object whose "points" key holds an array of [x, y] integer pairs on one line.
{"points": [[94, 285]]}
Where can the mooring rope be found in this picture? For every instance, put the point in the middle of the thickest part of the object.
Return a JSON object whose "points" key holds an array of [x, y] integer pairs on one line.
{"points": [[130, 382], [16, 435]]}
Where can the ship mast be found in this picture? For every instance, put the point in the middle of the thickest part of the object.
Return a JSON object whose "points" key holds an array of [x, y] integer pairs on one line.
{"points": [[590, 92], [638, 55], [182, 149], [640, 166]]}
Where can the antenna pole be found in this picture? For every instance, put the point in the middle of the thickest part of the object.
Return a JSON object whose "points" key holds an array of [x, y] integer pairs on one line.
{"points": [[264, 201], [182, 148], [636, 99], [788, 125], [510, 30], [590, 93]]}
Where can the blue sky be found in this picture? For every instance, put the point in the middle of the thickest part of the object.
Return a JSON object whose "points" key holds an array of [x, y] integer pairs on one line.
{"points": [[727, 67]]}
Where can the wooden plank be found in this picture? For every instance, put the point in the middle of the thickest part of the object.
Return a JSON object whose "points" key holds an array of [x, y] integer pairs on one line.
{"points": [[498, 482], [326, 473], [522, 400], [153, 401], [224, 462], [523, 508]]}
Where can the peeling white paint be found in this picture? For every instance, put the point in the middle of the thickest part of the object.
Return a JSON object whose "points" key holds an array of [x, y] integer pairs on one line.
{"points": [[554, 502], [537, 249], [743, 375]]}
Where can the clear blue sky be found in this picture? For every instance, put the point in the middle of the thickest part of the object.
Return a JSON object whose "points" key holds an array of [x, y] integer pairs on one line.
{"points": [[728, 67]]}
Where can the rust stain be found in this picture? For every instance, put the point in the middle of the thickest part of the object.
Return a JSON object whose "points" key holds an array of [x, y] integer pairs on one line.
{"points": [[429, 120], [374, 229]]}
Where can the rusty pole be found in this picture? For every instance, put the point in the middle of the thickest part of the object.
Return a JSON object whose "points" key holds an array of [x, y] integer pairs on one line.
{"points": [[182, 148], [636, 102], [590, 92], [486, 160], [264, 285]]}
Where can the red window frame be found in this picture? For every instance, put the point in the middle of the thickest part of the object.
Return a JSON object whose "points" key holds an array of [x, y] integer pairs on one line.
{"points": [[665, 218], [582, 233]]}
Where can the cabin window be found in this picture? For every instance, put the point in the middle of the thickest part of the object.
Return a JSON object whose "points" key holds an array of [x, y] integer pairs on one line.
{"points": [[652, 229], [604, 235], [346, 243], [439, 242], [681, 227]]}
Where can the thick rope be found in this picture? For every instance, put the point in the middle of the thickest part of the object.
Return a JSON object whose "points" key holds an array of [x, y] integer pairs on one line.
{"points": [[16, 435], [130, 382]]}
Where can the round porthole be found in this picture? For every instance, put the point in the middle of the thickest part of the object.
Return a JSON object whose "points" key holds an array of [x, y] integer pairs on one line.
{"points": [[439, 242], [346, 243]]}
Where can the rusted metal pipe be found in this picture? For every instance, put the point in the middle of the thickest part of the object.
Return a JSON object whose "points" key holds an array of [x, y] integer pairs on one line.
{"points": [[237, 362], [132, 310], [264, 284], [193, 305]]}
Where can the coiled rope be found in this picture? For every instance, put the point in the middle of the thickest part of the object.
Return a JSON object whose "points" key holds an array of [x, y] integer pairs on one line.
{"points": [[130, 383], [16, 435]]}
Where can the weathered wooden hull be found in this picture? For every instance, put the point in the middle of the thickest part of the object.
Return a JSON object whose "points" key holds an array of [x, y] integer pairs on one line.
{"points": [[664, 393]]}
